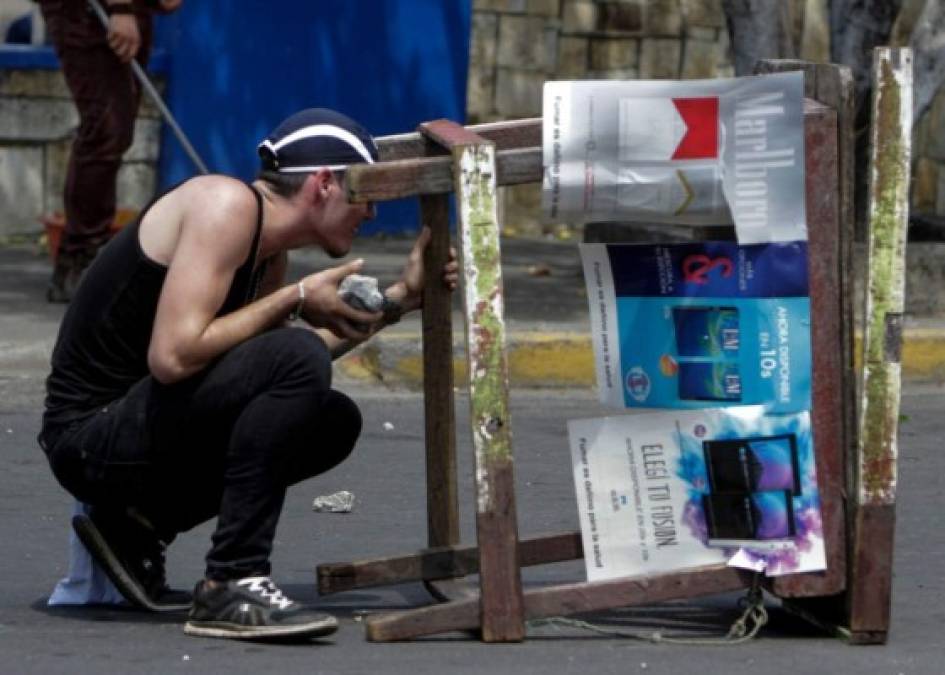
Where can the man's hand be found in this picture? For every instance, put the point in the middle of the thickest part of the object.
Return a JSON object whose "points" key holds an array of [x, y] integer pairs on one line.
{"points": [[409, 290], [324, 308], [123, 36]]}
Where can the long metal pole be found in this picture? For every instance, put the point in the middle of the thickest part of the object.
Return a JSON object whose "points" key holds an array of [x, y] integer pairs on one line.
{"points": [[156, 97]]}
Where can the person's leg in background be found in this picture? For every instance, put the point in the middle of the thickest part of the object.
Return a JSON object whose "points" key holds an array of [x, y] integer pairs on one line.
{"points": [[107, 97]]}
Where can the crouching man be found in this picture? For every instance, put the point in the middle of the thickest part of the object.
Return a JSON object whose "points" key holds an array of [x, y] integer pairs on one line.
{"points": [[178, 391]]}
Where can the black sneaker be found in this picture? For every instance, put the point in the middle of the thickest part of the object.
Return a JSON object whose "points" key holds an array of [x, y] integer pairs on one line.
{"points": [[132, 556], [253, 609]]}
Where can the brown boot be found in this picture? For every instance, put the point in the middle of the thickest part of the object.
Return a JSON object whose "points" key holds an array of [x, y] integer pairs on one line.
{"points": [[66, 276]]}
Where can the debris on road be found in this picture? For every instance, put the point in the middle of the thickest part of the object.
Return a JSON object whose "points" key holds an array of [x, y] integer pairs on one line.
{"points": [[339, 502]]}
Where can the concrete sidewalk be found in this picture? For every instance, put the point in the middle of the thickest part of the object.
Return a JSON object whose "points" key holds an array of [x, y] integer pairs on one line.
{"points": [[548, 330]]}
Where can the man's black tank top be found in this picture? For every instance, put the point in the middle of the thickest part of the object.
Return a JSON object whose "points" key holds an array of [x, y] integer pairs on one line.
{"points": [[102, 348]]}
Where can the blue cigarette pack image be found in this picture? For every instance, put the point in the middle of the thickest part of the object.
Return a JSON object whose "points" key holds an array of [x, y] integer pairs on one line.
{"points": [[706, 331], [707, 381], [700, 324]]}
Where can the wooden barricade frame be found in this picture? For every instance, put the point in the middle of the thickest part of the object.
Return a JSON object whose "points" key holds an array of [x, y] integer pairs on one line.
{"points": [[444, 157]]}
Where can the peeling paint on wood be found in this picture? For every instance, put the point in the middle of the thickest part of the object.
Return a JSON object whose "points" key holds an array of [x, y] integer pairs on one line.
{"points": [[474, 173], [485, 332], [888, 213]]}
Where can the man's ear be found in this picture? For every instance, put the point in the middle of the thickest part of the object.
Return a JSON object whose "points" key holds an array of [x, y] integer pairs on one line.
{"points": [[317, 185]]}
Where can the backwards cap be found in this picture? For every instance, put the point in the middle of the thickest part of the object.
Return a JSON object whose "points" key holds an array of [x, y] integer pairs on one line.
{"points": [[314, 139]]}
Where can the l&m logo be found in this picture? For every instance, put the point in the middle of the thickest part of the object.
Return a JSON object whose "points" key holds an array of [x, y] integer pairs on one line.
{"points": [[638, 384]]}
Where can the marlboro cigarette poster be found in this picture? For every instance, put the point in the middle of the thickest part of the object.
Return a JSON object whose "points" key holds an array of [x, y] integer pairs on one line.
{"points": [[697, 152], [672, 490]]}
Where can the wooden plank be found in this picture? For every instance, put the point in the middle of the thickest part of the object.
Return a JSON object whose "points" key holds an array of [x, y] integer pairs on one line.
{"points": [[451, 590], [439, 406], [506, 135], [871, 581], [630, 592], [433, 175], [496, 526], [835, 89], [510, 134], [440, 563], [832, 85], [518, 166], [430, 564], [821, 178], [397, 179], [562, 601], [449, 134], [888, 209]]}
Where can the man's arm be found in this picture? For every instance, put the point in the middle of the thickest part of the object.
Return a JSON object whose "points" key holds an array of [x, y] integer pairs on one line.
{"points": [[274, 280], [214, 240], [406, 292]]}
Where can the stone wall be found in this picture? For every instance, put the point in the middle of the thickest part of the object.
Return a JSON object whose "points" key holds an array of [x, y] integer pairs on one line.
{"points": [[37, 124], [517, 45]]}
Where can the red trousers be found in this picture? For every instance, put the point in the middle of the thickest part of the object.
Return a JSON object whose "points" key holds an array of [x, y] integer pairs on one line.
{"points": [[107, 97]]}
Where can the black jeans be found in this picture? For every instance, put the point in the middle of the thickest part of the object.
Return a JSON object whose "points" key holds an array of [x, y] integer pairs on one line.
{"points": [[226, 442]]}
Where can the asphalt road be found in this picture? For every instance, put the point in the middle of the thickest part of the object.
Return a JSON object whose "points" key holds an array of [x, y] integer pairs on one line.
{"points": [[386, 475]]}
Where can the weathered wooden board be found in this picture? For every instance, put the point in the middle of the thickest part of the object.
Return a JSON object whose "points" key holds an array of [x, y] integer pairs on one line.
{"points": [[821, 196], [888, 209], [433, 175], [562, 601], [440, 563], [439, 405], [496, 526], [524, 133]]}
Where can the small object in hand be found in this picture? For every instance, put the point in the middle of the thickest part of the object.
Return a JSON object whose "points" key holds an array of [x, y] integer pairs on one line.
{"points": [[339, 502], [361, 292]]}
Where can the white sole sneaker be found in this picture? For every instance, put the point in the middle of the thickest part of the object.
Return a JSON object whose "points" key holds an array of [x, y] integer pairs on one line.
{"points": [[223, 629]]}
